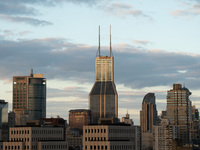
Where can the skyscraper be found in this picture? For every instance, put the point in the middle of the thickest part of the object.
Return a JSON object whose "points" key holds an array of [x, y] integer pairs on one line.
{"points": [[148, 117], [29, 94], [103, 98], [148, 114], [3, 120], [179, 110]]}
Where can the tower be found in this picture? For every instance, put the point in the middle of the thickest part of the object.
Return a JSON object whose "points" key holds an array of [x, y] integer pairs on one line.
{"points": [[103, 98], [179, 110], [29, 94], [148, 114], [148, 118]]}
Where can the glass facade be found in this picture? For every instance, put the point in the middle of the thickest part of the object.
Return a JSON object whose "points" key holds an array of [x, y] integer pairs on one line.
{"points": [[37, 98]]}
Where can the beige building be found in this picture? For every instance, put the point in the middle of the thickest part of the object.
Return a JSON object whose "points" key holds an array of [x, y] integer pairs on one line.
{"points": [[164, 134], [110, 137], [179, 110], [29, 94], [127, 119], [36, 138]]}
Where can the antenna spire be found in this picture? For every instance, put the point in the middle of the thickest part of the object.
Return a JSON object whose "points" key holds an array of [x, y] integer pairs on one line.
{"points": [[99, 41], [110, 42]]}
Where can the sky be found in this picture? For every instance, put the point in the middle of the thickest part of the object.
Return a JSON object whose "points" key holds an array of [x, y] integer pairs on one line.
{"points": [[155, 44]]}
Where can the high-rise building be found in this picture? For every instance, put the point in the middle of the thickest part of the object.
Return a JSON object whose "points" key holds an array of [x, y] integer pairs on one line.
{"points": [[3, 120], [164, 134], [103, 98], [29, 94], [179, 110], [148, 114]]}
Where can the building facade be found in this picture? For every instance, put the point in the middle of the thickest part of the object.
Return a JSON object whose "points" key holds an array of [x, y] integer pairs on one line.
{"points": [[3, 120], [36, 138], [148, 114], [127, 119], [103, 98], [164, 134], [29, 94], [79, 117], [110, 137], [179, 110]]}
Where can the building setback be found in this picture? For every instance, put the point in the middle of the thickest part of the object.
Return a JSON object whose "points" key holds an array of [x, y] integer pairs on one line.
{"points": [[29, 94], [103, 98]]}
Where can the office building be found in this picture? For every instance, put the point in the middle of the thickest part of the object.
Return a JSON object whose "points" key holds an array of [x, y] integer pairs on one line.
{"points": [[164, 134], [148, 114], [36, 138], [179, 110], [110, 137], [29, 94], [79, 117], [74, 138], [195, 113], [3, 120], [127, 119], [103, 98]]}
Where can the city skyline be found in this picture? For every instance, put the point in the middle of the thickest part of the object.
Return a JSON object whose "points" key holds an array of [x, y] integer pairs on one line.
{"points": [[153, 46]]}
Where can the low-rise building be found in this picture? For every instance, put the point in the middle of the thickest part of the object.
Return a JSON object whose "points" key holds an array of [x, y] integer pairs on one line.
{"points": [[36, 138], [109, 137]]}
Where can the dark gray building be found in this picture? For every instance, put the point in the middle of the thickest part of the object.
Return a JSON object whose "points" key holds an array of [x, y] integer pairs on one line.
{"points": [[3, 120]]}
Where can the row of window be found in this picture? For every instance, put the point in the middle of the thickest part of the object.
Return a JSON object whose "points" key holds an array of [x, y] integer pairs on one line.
{"points": [[12, 147], [112, 147], [35, 139], [95, 139], [96, 147], [37, 132], [20, 132], [54, 146], [95, 130]]}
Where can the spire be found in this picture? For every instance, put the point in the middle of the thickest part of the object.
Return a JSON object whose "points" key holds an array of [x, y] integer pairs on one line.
{"points": [[110, 42], [31, 74], [99, 41]]}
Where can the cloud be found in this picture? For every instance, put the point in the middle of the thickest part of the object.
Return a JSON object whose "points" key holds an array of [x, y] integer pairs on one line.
{"points": [[61, 59], [122, 10], [193, 10], [141, 42], [28, 20], [10, 8]]}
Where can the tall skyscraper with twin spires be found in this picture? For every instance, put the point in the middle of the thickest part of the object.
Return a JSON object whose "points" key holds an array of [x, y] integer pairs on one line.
{"points": [[103, 98]]}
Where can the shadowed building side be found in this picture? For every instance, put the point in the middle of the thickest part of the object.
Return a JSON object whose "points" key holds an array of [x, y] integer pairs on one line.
{"points": [[103, 100]]}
